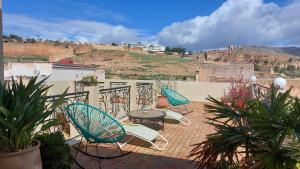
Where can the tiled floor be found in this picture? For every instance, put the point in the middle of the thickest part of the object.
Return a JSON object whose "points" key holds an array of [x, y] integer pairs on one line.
{"points": [[180, 138]]}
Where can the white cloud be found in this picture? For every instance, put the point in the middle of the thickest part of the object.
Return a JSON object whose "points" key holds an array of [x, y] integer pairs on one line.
{"points": [[249, 22], [77, 30]]}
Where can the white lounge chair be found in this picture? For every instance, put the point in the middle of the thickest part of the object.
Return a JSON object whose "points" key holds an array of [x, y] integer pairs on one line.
{"points": [[144, 133], [176, 116], [173, 115]]}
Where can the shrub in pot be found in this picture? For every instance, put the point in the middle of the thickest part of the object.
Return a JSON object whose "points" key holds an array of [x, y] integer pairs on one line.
{"points": [[55, 153], [24, 112]]}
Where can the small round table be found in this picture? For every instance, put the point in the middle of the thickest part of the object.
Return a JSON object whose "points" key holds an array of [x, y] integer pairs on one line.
{"points": [[138, 116]]}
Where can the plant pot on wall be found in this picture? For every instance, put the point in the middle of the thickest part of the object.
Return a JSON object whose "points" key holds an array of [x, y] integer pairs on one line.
{"points": [[29, 158], [162, 102]]}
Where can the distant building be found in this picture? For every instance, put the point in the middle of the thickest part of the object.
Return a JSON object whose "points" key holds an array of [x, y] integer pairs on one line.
{"points": [[61, 72], [27, 69], [154, 48], [56, 71], [144, 47]]}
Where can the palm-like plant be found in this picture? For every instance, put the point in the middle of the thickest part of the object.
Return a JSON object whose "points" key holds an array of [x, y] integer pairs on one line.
{"points": [[24, 112], [265, 134]]}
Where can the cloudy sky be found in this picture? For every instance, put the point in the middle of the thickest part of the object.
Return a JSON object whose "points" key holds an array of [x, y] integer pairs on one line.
{"points": [[192, 24]]}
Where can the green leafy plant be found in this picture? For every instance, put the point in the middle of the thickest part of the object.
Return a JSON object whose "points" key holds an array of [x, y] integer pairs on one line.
{"points": [[225, 165], [55, 152], [24, 112], [89, 81], [263, 135]]}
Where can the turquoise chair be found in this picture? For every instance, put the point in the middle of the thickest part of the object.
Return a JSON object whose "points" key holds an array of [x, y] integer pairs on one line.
{"points": [[96, 127], [175, 98]]}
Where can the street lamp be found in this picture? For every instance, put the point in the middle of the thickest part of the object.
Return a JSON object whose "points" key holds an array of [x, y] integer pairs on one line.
{"points": [[253, 79], [280, 83]]}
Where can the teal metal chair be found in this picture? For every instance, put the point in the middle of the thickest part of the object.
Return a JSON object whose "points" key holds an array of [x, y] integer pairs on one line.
{"points": [[96, 127], [175, 98]]}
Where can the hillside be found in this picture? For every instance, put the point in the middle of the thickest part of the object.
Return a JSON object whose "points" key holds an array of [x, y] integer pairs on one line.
{"points": [[120, 62], [128, 64]]}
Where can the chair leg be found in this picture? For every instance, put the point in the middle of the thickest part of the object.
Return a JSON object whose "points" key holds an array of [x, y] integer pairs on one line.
{"points": [[74, 158], [185, 109], [99, 163], [98, 156]]}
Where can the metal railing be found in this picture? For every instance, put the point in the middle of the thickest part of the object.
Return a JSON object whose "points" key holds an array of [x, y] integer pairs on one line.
{"points": [[79, 86], [260, 90], [115, 101], [144, 94], [117, 84], [60, 112]]}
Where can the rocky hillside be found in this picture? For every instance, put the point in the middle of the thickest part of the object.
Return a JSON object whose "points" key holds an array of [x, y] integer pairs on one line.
{"points": [[120, 62]]}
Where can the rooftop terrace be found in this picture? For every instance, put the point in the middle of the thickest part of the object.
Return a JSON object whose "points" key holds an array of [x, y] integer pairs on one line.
{"points": [[180, 139]]}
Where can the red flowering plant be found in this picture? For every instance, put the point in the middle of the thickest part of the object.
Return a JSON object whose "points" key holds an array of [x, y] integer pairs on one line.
{"points": [[238, 94]]}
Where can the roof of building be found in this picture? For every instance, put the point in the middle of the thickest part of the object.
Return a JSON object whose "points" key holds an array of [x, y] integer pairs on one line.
{"points": [[74, 66]]}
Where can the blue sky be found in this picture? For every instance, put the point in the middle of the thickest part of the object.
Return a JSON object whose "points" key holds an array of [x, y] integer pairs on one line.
{"points": [[169, 22]]}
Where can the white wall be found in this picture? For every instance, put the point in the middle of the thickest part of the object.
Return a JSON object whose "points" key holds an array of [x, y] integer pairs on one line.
{"points": [[69, 74], [198, 91]]}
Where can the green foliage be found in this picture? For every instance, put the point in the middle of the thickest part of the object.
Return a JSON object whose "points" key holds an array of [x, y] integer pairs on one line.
{"points": [[24, 112], [257, 67], [12, 37], [290, 71], [225, 165], [291, 67], [89, 81], [55, 152], [266, 133], [156, 58], [26, 58], [276, 68], [178, 50]]}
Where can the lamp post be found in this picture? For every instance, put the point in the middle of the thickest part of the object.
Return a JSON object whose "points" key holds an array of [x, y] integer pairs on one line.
{"points": [[253, 79], [280, 83], [1, 47], [253, 85], [197, 74]]}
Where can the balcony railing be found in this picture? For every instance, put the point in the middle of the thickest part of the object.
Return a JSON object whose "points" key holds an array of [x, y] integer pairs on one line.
{"points": [[115, 101], [79, 86], [144, 94], [117, 84], [260, 90], [60, 113]]}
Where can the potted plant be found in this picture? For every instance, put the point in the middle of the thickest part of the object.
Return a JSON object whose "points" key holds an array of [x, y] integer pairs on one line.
{"points": [[55, 153], [24, 112], [263, 134]]}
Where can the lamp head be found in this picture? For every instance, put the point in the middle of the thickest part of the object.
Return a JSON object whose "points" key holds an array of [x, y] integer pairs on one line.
{"points": [[280, 82], [253, 78]]}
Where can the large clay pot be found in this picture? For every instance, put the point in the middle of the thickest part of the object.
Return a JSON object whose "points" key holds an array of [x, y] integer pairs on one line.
{"points": [[26, 159], [162, 102]]}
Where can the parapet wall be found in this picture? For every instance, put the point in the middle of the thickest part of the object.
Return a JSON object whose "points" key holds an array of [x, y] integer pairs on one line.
{"points": [[224, 72]]}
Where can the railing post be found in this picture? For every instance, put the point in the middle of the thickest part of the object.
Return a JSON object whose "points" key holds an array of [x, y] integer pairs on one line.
{"points": [[93, 95], [133, 90]]}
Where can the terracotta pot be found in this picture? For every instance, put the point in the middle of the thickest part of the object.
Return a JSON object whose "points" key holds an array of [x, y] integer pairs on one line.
{"points": [[26, 159], [162, 102]]}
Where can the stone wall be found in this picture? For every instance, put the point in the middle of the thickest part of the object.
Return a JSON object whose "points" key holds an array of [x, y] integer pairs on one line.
{"points": [[224, 72]]}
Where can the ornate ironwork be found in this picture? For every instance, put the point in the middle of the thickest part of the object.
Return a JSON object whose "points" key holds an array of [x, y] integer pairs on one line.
{"points": [[117, 84], [79, 86], [115, 101], [60, 113], [260, 90], [144, 94]]}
